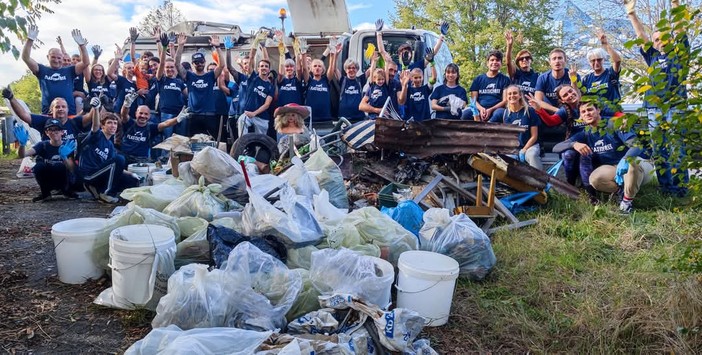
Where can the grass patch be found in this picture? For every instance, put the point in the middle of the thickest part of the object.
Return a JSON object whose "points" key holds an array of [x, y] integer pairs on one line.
{"points": [[587, 280]]}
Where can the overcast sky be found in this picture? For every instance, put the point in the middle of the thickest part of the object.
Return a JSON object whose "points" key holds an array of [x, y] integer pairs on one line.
{"points": [[106, 22]]}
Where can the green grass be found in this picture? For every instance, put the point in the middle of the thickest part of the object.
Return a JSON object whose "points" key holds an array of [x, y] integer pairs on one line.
{"points": [[586, 280]]}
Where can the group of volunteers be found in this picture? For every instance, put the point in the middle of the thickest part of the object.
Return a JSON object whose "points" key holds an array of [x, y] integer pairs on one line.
{"points": [[96, 121]]}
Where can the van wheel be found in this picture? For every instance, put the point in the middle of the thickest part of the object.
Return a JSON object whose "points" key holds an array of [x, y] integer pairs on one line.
{"points": [[249, 144]]}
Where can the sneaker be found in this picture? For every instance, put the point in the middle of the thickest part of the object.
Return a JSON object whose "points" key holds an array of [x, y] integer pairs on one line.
{"points": [[93, 191], [626, 206], [107, 198], [41, 197]]}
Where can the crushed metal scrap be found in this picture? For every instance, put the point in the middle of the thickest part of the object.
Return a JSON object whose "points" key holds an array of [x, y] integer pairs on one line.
{"points": [[440, 136]]}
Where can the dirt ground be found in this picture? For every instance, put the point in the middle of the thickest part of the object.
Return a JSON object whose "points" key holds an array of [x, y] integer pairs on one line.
{"points": [[38, 313]]}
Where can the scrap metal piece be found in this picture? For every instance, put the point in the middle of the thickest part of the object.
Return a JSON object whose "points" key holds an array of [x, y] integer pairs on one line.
{"points": [[439, 136]]}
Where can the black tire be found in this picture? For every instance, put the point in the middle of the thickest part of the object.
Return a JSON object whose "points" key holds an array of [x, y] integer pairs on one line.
{"points": [[250, 143]]}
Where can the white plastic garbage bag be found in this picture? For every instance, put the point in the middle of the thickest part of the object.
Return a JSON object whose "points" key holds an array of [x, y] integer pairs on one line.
{"points": [[336, 271], [187, 174], [306, 300], [304, 183], [329, 177], [219, 168], [202, 341], [460, 238], [200, 201]]}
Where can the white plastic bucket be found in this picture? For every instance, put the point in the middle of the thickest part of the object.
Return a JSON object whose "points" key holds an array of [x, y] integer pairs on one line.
{"points": [[142, 170], [134, 259], [425, 284], [387, 269], [159, 176], [73, 243]]}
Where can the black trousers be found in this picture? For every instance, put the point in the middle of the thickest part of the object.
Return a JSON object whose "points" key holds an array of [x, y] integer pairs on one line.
{"points": [[50, 177]]}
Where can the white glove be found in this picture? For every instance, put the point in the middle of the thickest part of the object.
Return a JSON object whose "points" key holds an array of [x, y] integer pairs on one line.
{"points": [[32, 32], [78, 37], [95, 102], [630, 6], [303, 46], [183, 115], [332, 45], [129, 99]]}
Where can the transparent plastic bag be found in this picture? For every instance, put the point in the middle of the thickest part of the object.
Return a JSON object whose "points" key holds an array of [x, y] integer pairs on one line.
{"points": [[219, 168], [205, 341], [329, 177], [344, 271], [306, 300], [194, 249], [304, 183], [187, 174], [325, 211], [300, 257], [190, 225], [199, 201], [460, 238]]}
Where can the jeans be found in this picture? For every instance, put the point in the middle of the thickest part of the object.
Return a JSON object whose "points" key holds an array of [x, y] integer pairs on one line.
{"points": [[575, 164], [668, 181], [168, 131]]}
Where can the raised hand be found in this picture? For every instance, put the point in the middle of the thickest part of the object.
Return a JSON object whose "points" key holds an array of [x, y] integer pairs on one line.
{"points": [[444, 27], [184, 114], [80, 40], [32, 32], [21, 134], [601, 36], [303, 46], [261, 36], [429, 54], [405, 77], [67, 148], [630, 6], [95, 102], [129, 99], [118, 51], [379, 24], [97, 51], [533, 102], [59, 40], [164, 40], [7, 93], [332, 45], [182, 38], [214, 40], [171, 37], [133, 34], [228, 42], [509, 38]]}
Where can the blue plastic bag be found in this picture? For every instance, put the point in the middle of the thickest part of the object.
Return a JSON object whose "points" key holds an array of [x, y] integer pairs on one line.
{"points": [[408, 214]]}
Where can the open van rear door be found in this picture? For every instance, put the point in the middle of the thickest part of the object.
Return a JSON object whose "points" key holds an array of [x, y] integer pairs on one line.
{"points": [[310, 17]]}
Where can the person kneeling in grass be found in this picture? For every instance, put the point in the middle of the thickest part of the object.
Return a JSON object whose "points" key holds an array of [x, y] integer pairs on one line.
{"points": [[617, 162]]}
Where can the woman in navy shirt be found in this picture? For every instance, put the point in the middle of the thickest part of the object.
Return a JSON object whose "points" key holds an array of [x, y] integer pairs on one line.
{"points": [[449, 99], [519, 113]]}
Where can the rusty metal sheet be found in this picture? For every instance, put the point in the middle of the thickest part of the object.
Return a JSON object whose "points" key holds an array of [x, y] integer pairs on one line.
{"points": [[439, 136]]}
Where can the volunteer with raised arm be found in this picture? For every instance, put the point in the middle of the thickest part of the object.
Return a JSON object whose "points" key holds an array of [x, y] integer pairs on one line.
{"points": [[603, 82]]}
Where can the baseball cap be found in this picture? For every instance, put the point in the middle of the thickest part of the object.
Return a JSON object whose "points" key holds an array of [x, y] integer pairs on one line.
{"points": [[53, 123], [198, 57]]}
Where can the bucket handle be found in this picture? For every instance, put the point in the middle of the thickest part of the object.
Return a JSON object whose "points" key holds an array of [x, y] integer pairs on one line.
{"points": [[59, 243], [405, 291]]}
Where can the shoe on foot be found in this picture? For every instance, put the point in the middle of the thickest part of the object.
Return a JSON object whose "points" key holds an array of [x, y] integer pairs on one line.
{"points": [[93, 191], [626, 206], [41, 197], [69, 194], [107, 198]]}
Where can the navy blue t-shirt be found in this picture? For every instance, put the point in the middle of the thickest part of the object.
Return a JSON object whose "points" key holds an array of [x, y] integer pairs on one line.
{"points": [[136, 140], [170, 92], [547, 84], [55, 83], [150, 99], [48, 152], [258, 91], [242, 80], [605, 85], [78, 83], [395, 87], [526, 118], [290, 90], [489, 89], [377, 95], [200, 87], [442, 93], [233, 98], [605, 147], [95, 88], [319, 98], [97, 152], [124, 87], [71, 129], [417, 104], [526, 81], [221, 105], [671, 66], [351, 93]]}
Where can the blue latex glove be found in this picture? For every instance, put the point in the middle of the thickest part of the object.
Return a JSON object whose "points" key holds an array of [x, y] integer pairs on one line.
{"points": [[444, 28], [228, 42], [474, 108], [21, 134], [522, 157], [622, 168], [67, 148]]}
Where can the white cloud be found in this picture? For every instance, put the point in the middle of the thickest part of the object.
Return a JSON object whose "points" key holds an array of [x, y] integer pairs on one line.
{"points": [[359, 6], [364, 26]]}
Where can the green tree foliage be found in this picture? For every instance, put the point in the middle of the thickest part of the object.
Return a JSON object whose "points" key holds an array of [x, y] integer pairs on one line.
{"points": [[683, 131], [478, 26], [162, 17], [15, 16], [26, 89]]}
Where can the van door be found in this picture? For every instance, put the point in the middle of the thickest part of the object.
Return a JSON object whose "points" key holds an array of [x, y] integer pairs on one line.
{"points": [[310, 17]]}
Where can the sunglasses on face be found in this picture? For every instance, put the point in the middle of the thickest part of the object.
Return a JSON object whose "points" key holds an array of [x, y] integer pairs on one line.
{"points": [[523, 58]]}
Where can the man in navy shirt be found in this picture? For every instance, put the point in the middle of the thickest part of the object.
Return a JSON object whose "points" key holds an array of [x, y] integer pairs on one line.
{"points": [[603, 82], [487, 88], [55, 80], [138, 133], [673, 82], [547, 82], [615, 157], [200, 84], [102, 169], [522, 75], [171, 90]]}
